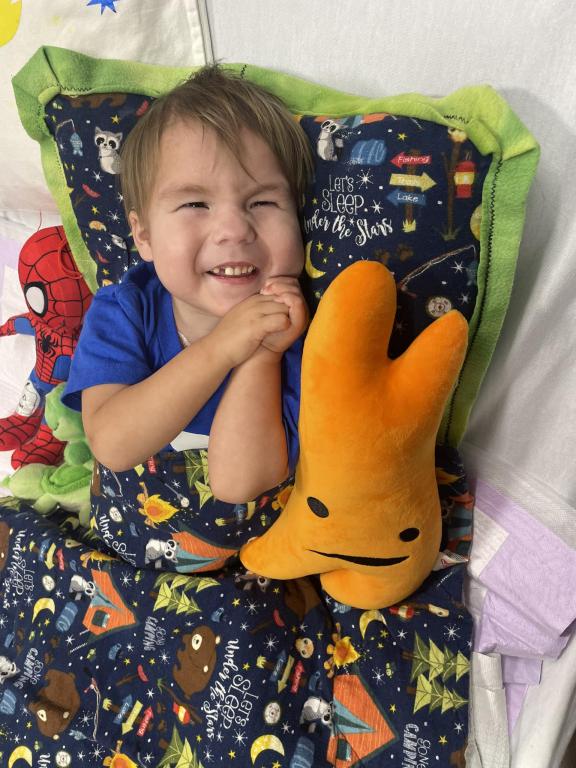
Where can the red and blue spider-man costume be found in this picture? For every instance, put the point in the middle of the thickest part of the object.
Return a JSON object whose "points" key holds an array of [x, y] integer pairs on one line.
{"points": [[57, 299]]}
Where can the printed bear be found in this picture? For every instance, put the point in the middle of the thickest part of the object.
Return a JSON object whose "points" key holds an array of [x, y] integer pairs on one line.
{"points": [[56, 704], [196, 660]]}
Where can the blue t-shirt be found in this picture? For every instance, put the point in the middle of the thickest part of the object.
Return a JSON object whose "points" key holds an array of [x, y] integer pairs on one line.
{"points": [[129, 332]]}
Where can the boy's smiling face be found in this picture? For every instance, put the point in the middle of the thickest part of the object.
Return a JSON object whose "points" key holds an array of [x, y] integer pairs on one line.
{"points": [[216, 229]]}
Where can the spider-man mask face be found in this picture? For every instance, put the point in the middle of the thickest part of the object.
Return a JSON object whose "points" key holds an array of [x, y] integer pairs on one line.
{"points": [[54, 289]]}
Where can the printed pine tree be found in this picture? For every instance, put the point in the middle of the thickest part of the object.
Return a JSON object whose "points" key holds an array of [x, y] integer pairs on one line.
{"points": [[433, 695], [197, 474], [435, 662], [429, 659], [172, 588], [178, 754]]}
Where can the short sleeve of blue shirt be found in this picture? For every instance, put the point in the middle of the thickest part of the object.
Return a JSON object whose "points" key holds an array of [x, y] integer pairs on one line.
{"points": [[113, 347]]}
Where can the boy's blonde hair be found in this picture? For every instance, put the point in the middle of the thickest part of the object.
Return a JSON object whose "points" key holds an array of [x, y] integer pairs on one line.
{"points": [[223, 102]]}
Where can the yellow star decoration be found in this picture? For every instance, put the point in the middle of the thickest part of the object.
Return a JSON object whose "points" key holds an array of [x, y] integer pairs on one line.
{"points": [[331, 249], [392, 707], [152, 662], [127, 661], [276, 764], [94, 210], [29, 724], [276, 590], [443, 740], [402, 136], [319, 635], [236, 602], [319, 246], [21, 614], [314, 201], [383, 633], [115, 119], [198, 738], [246, 666], [231, 753]]}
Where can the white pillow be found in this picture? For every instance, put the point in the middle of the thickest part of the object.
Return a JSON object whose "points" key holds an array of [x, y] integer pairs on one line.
{"points": [[165, 32]]}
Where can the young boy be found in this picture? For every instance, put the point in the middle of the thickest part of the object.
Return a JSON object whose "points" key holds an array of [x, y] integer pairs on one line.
{"points": [[201, 339]]}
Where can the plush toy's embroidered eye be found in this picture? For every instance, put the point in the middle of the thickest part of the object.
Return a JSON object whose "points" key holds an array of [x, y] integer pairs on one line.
{"points": [[409, 534], [319, 509]]}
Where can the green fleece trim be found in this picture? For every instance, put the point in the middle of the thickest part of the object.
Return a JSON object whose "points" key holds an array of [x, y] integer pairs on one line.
{"points": [[479, 110]]}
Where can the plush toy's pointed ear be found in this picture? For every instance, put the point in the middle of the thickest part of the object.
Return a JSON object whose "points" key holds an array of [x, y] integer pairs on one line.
{"points": [[351, 328]]}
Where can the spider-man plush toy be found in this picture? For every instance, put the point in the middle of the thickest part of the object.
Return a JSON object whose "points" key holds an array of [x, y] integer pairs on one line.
{"points": [[57, 299]]}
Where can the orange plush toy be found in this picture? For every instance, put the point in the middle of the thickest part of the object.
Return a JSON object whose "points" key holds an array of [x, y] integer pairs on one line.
{"points": [[365, 512]]}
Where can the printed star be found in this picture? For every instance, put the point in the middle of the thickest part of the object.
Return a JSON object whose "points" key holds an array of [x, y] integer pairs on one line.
{"points": [[331, 249], [94, 210], [115, 119], [314, 201], [376, 207], [383, 633], [392, 707], [198, 738], [319, 246], [152, 662], [451, 632], [402, 136], [458, 727], [365, 178], [276, 764], [246, 666], [103, 4], [127, 661], [29, 724], [443, 740], [319, 635], [458, 267], [464, 298], [401, 634], [236, 602], [231, 753], [21, 614], [276, 590]]}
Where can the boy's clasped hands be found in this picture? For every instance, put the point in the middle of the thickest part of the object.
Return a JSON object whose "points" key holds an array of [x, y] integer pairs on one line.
{"points": [[265, 324]]}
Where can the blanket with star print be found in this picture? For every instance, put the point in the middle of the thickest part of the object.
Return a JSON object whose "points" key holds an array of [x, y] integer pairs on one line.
{"points": [[109, 660]]}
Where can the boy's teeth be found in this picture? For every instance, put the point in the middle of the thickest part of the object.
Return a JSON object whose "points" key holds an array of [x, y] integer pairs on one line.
{"points": [[233, 271]]}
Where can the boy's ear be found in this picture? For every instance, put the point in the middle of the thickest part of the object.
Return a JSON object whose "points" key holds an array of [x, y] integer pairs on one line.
{"points": [[141, 236]]}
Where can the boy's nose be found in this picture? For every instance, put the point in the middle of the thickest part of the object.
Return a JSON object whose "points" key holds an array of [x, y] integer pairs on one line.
{"points": [[233, 226]]}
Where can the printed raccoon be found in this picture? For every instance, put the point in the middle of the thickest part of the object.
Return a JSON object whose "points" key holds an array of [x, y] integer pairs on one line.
{"points": [[108, 144]]}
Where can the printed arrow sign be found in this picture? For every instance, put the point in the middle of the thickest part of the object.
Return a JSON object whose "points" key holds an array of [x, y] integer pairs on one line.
{"points": [[129, 724], [423, 181], [402, 159], [397, 197]]}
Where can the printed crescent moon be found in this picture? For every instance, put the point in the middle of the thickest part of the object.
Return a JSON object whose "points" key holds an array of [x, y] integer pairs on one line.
{"points": [[44, 604], [310, 268], [367, 617], [9, 20], [20, 753], [266, 741]]}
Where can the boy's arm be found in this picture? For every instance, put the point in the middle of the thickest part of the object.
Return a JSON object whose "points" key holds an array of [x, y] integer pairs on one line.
{"points": [[248, 452], [127, 424]]}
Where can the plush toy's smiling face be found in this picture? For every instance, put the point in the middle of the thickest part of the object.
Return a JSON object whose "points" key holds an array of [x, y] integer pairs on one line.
{"points": [[364, 512]]}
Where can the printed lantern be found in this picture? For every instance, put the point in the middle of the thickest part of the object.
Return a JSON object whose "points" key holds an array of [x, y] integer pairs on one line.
{"points": [[464, 175]]}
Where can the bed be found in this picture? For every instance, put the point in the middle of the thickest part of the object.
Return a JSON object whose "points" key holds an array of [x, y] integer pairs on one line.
{"points": [[518, 441]]}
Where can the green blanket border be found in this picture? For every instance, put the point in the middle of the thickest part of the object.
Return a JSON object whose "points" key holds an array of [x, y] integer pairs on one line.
{"points": [[488, 120]]}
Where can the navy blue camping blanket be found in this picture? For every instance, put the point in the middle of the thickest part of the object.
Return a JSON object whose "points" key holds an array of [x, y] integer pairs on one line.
{"points": [[119, 652]]}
